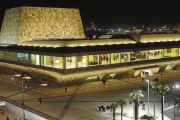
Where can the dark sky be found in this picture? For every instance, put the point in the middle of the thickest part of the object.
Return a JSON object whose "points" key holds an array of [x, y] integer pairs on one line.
{"points": [[111, 13]]}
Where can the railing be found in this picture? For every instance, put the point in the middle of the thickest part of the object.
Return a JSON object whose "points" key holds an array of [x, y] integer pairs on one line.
{"points": [[28, 108]]}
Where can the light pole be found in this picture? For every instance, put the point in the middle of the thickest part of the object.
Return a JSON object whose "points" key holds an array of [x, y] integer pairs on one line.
{"points": [[175, 86], [23, 100], [147, 79]]}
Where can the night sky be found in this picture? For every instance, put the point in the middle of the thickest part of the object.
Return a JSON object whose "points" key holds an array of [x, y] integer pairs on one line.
{"points": [[111, 13]]}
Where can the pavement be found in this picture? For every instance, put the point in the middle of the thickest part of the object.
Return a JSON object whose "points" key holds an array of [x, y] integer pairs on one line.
{"points": [[80, 102]]}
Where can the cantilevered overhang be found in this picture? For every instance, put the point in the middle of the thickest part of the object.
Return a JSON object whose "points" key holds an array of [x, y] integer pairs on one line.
{"points": [[78, 42], [92, 49]]}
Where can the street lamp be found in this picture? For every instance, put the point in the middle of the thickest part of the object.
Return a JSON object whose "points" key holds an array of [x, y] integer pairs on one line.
{"points": [[147, 79], [175, 86], [23, 85]]}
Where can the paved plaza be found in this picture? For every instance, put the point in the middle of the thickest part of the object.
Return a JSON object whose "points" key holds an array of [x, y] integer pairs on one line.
{"points": [[80, 102]]}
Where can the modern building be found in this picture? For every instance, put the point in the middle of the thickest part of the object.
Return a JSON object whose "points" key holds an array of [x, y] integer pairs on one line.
{"points": [[49, 45]]}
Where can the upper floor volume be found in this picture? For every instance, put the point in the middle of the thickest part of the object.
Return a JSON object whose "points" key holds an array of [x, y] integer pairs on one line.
{"points": [[23, 24]]}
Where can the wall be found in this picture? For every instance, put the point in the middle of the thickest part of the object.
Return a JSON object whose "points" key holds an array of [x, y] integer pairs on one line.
{"points": [[17, 111], [28, 23], [10, 27]]}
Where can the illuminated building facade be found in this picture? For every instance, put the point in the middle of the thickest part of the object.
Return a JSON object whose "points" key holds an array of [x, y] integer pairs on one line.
{"points": [[62, 56]]}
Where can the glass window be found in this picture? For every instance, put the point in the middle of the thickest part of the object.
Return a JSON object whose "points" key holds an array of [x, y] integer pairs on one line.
{"points": [[33, 59], [138, 55], [1, 54], [125, 57], [42, 60], [70, 62], [8, 55], [174, 52], [167, 53], [104, 59], [82, 61], [48, 61], [20, 57], [58, 62], [37, 60], [155, 54], [115, 58], [93, 60]]}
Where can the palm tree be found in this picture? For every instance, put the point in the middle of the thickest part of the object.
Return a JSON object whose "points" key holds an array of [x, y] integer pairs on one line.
{"points": [[147, 117], [122, 103], [162, 90], [154, 85], [135, 96], [112, 107]]}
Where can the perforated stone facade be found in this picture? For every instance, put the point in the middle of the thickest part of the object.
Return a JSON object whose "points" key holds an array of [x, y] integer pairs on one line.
{"points": [[27, 23]]}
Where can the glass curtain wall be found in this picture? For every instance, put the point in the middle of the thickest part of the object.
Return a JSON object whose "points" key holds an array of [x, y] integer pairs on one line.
{"points": [[104, 59], [155, 54], [82, 61], [138, 55], [9, 56], [48, 61], [58, 62], [93, 60], [115, 58], [125, 57], [2, 55], [70, 62], [170, 52]]}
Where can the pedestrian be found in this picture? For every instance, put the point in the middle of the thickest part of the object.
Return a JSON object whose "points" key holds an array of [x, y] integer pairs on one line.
{"points": [[161, 74], [40, 100], [142, 78], [143, 106], [104, 108], [65, 90], [99, 106], [7, 117]]}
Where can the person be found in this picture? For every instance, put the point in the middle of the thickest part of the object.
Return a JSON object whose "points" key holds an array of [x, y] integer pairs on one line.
{"points": [[40, 100], [104, 108], [161, 74], [143, 106], [65, 90], [7, 117], [99, 106], [142, 78]]}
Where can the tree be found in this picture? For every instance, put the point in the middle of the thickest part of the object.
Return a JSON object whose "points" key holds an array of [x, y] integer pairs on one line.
{"points": [[154, 84], [146, 117], [122, 103], [135, 96], [162, 90], [112, 107]]}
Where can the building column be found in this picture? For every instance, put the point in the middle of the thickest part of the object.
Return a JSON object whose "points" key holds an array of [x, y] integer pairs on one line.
{"points": [[40, 60], [147, 54], [76, 62], [120, 58], [54, 61], [64, 62], [87, 60]]}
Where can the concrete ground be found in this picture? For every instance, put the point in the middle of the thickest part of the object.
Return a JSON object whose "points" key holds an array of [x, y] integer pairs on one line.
{"points": [[81, 101]]}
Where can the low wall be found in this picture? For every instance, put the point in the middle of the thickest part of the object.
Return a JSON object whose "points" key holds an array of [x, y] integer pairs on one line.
{"points": [[2, 103], [17, 111]]}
